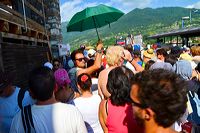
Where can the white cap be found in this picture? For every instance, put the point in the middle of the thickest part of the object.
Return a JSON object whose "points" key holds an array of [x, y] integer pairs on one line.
{"points": [[49, 65]]}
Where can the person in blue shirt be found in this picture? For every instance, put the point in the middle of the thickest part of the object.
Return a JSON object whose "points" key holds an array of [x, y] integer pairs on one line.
{"points": [[137, 56], [8, 101]]}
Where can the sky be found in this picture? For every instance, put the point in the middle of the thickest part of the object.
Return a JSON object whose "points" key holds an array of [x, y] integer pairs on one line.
{"points": [[69, 7]]}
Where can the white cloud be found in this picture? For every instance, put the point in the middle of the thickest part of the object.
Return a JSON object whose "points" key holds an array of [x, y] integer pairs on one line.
{"points": [[195, 5], [69, 8]]}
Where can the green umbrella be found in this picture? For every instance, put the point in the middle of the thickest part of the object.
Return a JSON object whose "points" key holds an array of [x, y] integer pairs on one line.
{"points": [[93, 17]]}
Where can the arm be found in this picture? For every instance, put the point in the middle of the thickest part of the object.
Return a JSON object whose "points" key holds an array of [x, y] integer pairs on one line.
{"points": [[129, 58], [103, 116], [99, 88], [97, 62], [138, 68]]}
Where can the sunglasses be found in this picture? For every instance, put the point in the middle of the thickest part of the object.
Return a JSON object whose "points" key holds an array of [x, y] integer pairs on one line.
{"points": [[56, 64], [80, 59], [142, 106]]}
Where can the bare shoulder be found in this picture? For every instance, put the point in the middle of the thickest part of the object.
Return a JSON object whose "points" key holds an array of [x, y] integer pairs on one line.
{"points": [[102, 73], [102, 79], [80, 71], [105, 71]]}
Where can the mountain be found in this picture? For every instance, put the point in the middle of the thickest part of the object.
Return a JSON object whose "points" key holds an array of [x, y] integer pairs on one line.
{"points": [[146, 21]]}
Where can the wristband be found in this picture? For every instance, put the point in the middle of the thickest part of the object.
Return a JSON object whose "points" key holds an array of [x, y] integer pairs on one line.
{"points": [[99, 51], [131, 60]]}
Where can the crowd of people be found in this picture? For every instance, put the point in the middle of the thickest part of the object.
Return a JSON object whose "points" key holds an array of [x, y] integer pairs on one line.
{"points": [[115, 90]]}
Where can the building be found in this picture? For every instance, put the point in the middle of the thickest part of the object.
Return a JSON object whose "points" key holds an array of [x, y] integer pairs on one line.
{"points": [[26, 26], [53, 21]]}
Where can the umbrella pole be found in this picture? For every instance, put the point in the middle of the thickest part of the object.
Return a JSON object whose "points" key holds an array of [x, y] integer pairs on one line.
{"points": [[96, 27]]}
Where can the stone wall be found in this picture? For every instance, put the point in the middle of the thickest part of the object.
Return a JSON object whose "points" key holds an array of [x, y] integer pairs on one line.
{"points": [[53, 20]]}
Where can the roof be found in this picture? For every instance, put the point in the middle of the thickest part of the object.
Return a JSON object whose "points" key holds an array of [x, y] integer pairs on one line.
{"points": [[189, 32]]}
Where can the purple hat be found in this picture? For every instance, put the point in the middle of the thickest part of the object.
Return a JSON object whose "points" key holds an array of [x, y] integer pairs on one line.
{"points": [[61, 77]]}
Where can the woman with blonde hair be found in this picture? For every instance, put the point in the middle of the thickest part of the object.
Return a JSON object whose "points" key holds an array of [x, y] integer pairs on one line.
{"points": [[114, 58]]}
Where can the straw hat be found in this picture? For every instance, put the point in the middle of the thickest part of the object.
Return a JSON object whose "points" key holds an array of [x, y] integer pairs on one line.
{"points": [[149, 53]]}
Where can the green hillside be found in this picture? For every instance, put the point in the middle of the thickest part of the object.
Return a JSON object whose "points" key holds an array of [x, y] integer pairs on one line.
{"points": [[146, 21]]}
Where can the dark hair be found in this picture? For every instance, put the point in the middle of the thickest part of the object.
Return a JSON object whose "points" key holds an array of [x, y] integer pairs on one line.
{"points": [[175, 52], [162, 51], [56, 60], [164, 92], [42, 83], [73, 54], [82, 47], [118, 85], [171, 59], [84, 81], [137, 52], [198, 67], [149, 64], [5, 79], [90, 62], [129, 47]]}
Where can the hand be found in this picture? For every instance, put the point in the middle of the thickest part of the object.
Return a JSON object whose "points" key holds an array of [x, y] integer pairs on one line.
{"points": [[127, 55], [99, 45]]}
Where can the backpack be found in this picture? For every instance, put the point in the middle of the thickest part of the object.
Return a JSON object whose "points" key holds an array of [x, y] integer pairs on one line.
{"points": [[21, 97], [26, 113]]}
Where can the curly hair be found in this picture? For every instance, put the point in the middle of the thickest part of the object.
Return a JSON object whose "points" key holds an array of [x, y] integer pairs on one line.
{"points": [[114, 54], [164, 92], [118, 85], [73, 54], [84, 81]]}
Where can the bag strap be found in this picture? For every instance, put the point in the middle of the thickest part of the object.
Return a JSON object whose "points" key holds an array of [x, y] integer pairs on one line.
{"points": [[23, 120], [30, 116], [191, 94], [27, 119], [20, 97]]}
